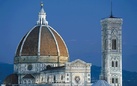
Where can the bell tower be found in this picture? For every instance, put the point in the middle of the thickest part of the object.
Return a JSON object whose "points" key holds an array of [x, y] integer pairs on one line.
{"points": [[112, 50]]}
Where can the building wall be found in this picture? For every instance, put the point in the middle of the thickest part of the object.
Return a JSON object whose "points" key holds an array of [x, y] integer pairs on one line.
{"points": [[73, 73]]}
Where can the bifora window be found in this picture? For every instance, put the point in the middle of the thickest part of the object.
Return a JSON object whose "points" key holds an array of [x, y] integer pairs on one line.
{"points": [[114, 80], [114, 44], [114, 64]]}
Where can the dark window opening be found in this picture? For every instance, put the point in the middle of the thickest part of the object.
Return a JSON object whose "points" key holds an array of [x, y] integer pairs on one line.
{"points": [[54, 79], [48, 79], [67, 74], [112, 80], [114, 44], [62, 77], [116, 80], [105, 45], [112, 63], [116, 64]]}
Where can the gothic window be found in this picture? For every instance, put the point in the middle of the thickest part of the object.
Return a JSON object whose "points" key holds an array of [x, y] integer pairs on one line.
{"points": [[116, 63], [114, 43], [116, 80], [112, 63], [112, 80]]}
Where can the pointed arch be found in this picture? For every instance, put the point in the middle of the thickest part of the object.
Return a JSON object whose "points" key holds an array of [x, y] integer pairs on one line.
{"points": [[113, 81], [114, 44], [112, 63], [116, 64]]}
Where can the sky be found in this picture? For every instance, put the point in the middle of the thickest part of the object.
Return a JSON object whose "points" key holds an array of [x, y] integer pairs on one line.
{"points": [[77, 21]]}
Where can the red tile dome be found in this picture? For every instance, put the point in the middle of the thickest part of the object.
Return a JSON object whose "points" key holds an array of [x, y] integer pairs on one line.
{"points": [[41, 44], [42, 40]]}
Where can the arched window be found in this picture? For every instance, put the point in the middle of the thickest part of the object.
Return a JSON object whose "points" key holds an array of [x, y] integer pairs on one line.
{"points": [[114, 44], [116, 63], [112, 63], [113, 80], [116, 80]]}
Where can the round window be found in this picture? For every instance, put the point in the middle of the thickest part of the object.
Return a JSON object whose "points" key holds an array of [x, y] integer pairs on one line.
{"points": [[77, 79], [29, 67]]}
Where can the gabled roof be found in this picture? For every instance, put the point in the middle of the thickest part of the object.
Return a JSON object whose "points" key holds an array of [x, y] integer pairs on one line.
{"points": [[29, 76], [78, 62]]}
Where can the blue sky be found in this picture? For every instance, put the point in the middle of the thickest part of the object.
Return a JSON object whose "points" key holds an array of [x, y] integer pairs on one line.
{"points": [[77, 21]]}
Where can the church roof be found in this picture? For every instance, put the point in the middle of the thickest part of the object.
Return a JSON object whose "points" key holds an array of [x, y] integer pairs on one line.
{"points": [[42, 40], [101, 83], [29, 76], [54, 68], [11, 79]]}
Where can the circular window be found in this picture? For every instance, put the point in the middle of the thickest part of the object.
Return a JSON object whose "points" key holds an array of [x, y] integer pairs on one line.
{"points": [[48, 67], [77, 79], [30, 67]]}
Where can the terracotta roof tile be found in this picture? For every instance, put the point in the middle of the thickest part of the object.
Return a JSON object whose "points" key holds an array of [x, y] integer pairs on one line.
{"points": [[11, 79], [44, 41]]}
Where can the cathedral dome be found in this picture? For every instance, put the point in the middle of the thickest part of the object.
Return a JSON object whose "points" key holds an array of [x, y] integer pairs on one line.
{"points": [[42, 40], [42, 43], [11, 79]]}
